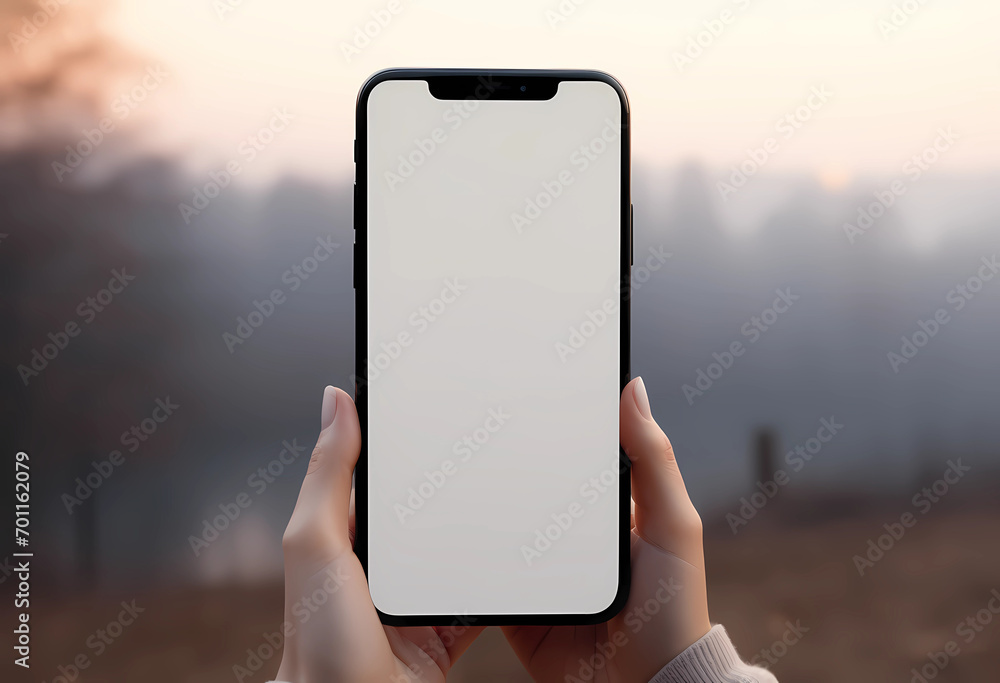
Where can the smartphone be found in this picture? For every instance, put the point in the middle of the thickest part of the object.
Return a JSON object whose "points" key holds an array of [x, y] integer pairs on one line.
{"points": [[492, 264]]}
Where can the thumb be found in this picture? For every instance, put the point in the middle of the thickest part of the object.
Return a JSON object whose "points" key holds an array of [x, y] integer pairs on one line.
{"points": [[318, 529], [664, 514]]}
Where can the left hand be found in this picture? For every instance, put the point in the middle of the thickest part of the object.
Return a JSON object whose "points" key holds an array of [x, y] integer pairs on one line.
{"points": [[335, 633]]}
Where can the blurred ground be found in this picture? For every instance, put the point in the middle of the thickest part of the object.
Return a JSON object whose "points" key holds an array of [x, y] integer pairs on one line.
{"points": [[871, 628]]}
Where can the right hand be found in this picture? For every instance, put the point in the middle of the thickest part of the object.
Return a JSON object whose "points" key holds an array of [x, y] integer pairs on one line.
{"points": [[667, 608]]}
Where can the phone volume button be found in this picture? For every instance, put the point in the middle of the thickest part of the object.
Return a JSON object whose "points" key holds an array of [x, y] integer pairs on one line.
{"points": [[631, 233]]}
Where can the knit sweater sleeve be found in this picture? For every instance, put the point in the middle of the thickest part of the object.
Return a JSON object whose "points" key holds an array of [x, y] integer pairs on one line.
{"points": [[712, 659]]}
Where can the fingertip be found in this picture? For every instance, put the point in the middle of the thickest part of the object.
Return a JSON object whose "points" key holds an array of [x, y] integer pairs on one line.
{"points": [[328, 413], [641, 437], [635, 401], [634, 425], [641, 398], [340, 437]]}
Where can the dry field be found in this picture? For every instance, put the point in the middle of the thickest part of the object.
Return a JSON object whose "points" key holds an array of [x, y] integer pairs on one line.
{"points": [[872, 628]]}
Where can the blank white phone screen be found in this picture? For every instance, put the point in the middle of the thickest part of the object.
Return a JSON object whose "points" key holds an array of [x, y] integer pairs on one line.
{"points": [[493, 357]]}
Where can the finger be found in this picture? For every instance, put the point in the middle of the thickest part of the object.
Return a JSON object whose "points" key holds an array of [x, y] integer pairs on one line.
{"points": [[442, 645], [318, 528], [457, 639], [351, 521], [664, 514], [525, 640]]}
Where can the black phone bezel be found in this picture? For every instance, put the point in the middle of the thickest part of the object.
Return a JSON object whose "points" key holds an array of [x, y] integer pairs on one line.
{"points": [[541, 84]]}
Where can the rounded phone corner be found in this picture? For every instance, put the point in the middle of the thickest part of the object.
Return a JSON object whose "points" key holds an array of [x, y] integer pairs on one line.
{"points": [[616, 85], [381, 76]]}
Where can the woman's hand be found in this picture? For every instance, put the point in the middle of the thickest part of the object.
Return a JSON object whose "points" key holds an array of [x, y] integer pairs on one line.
{"points": [[667, 609], [333, 632]]}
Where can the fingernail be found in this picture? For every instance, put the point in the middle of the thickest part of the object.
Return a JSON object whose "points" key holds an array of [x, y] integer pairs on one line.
{"points": [[329, 410], [641, 399]]}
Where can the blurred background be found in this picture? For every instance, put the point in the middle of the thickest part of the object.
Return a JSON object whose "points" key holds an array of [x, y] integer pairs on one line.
{"points": [[846, 155]]}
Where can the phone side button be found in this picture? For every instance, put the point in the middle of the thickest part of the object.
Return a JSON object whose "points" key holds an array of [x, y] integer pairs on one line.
{"points": [[631, 233], [354, 267], [357, 208]]}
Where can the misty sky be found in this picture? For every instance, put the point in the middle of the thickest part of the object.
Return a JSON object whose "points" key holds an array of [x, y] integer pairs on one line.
{"points": [[893, 84]]}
